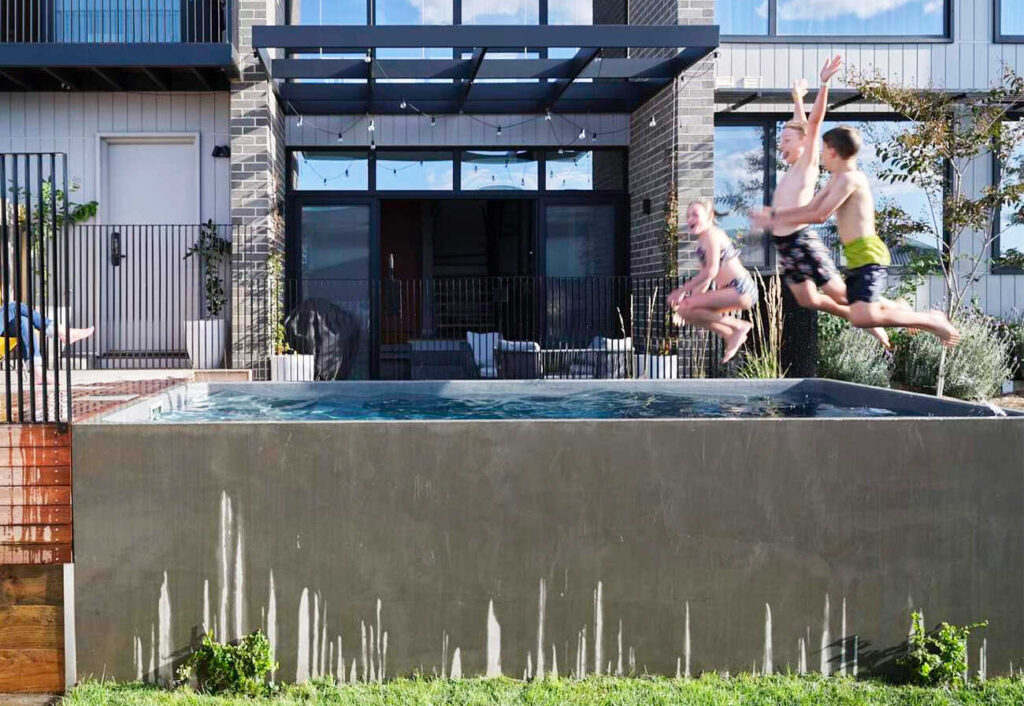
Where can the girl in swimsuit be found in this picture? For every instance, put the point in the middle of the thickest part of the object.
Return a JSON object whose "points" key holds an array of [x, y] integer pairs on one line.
{"points": [[695, 302]]}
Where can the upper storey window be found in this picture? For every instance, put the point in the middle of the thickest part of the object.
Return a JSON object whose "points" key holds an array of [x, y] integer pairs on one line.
{"points": [[866, 20], [1009, 20]]}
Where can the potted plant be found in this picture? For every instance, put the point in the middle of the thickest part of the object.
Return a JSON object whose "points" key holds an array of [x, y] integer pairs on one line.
{"points": [[205, 338], [286, 365], [660, 362]]}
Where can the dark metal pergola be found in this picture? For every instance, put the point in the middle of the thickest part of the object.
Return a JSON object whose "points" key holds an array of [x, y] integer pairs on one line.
{"points": [[597, 79]]}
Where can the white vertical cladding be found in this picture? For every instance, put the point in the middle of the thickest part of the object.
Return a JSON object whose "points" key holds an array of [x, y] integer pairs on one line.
{"points": [[458, 130], [71, 122], [971, 61]]}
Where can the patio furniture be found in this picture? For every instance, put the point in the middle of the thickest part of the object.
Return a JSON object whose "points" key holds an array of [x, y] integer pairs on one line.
{"points": [[519, 360], [441, 360], [483, 345]]}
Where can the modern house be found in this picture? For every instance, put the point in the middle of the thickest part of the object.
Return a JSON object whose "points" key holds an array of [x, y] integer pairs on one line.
{"points": [[438, 167]]}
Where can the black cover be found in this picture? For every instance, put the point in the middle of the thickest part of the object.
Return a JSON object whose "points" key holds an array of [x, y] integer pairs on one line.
{"points": [[318, 327]]}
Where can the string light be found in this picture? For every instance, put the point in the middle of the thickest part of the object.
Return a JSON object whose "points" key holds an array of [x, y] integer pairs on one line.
{"points": [[583, 134], [403, 105], [367, 58], [547, 115], [341, 137], [593, 137], [433, 121], [370, 127], [499, 131], [299, 124], [373, 145], [653, 123]]}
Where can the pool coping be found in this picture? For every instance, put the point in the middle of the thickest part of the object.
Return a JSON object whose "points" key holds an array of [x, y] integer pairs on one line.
{"points": [[927, 407]]}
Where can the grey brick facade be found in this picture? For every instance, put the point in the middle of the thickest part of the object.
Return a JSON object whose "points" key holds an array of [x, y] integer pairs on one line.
{"points": [[684, 124]]}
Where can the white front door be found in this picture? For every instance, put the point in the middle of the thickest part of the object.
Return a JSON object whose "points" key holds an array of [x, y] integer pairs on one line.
{"points": [[149, 208]]}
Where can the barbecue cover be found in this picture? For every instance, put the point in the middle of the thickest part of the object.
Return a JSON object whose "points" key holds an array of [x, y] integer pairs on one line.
{"points": [[329, 333]]}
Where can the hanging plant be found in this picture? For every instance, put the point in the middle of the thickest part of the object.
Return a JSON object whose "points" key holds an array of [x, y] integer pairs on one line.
{"points": [[670, 230]]}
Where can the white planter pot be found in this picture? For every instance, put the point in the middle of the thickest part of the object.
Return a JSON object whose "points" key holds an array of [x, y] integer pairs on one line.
{"points": [[657, 367], [291, 368], [204, 341]]}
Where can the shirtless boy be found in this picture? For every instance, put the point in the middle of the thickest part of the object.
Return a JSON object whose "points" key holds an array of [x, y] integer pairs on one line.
{"points": [[848, 195], [806, 262]]}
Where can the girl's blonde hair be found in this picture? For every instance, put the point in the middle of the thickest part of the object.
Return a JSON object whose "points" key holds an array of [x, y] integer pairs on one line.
{"points": [[709, 206]]}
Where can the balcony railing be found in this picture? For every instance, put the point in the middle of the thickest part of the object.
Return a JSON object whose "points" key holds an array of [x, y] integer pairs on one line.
{"points": [[115, 21]]}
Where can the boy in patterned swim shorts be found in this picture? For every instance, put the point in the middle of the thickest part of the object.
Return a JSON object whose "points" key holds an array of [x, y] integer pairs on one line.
{"points": [[848, 196], [806, 263]]}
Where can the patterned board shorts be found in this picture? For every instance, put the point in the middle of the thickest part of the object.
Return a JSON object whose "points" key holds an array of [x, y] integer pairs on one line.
{"points": [[866, 284], [803, 256]]}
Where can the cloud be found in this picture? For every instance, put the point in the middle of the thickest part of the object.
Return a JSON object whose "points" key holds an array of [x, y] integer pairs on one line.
{"points": [[862, 9]]}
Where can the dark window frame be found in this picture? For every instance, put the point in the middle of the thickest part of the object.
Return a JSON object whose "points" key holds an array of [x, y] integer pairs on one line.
{"points": [[995, 248], [456, 191], [770, 122], [773, 36], [997, 31]]}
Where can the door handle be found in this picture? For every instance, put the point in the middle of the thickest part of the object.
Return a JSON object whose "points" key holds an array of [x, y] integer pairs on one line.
{"points": [[115, 249]]}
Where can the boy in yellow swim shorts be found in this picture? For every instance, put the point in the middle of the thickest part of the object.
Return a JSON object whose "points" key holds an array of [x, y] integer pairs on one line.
{"points": [[848, 196]]}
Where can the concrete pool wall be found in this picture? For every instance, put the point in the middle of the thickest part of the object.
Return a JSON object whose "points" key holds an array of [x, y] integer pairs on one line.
{"points": [[476, 547]]}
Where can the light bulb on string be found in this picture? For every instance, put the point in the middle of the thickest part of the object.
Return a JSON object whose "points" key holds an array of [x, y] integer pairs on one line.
{"points": [[593, 138], [583, 134], [653, 123], [561, 151], [547, 115], [499, 131], [433, 121], [341, 137], [403, 105], [370, 127], [299, 123], [367, 58], [373, 145]]}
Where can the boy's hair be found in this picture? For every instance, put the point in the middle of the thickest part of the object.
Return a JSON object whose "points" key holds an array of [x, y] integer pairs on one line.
{"points": [[798, 125], [845, 140]]}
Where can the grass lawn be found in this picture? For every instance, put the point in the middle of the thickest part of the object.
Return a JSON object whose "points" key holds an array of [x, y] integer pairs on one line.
{"points": [[705, 691]]}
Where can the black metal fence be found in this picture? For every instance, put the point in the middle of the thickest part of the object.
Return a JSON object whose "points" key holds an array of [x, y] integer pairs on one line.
{"points": [[34, 282], [158, 296], [466, 328], [115, 21]]}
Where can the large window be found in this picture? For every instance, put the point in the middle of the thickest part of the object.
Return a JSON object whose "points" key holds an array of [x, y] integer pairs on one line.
{"points": [[1011, 219], [869, 19], [740, 173], [745, 158], [1009, 20]]}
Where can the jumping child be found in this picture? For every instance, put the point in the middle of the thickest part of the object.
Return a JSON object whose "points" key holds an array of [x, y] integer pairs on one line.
{"points": [[848, 195], [806, 262], [695, 302]]}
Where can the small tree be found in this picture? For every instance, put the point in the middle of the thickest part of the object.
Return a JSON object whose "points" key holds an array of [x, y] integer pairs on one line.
{"points": [[946, 137]]}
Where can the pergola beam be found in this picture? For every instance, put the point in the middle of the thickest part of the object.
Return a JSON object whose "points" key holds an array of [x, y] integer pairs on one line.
{"points": [[352, 38], [579, 62], [475, 63]]}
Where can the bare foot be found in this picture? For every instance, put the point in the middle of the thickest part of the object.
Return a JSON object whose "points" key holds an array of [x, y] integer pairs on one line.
{"points": [[882, 336], [735, 341], [77, 334], [944, 330]]}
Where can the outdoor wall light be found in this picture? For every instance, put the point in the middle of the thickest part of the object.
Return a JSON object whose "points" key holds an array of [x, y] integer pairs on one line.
{"points": [[221, 151]]}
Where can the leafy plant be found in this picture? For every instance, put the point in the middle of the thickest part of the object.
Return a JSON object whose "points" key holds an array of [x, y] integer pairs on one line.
{"points": [[763, 359], [975, 369], [937, 658], [275, 286], [212, 251], [1012, 329], [850, 354], [946, 137], [670, 231], [220, 668]]}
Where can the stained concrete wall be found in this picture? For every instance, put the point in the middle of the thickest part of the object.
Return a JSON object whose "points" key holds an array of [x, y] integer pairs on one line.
{"points": [[689, 527]]}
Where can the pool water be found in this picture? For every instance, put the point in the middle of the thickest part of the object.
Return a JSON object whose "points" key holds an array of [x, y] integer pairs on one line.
{"points": [[234, 405]]}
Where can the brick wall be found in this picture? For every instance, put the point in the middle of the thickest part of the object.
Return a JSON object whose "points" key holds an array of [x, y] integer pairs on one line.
{"points": [[684, 117], [257, 175]]}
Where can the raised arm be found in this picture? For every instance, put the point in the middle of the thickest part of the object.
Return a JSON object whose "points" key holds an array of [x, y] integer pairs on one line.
{"points": [[798, 93], [830, 69]]}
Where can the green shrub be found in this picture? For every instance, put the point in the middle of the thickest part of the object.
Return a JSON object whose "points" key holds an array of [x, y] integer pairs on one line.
{"points": [[850, 354], [975, 369], [1012, 328], [938, 658], [221, 668]]}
